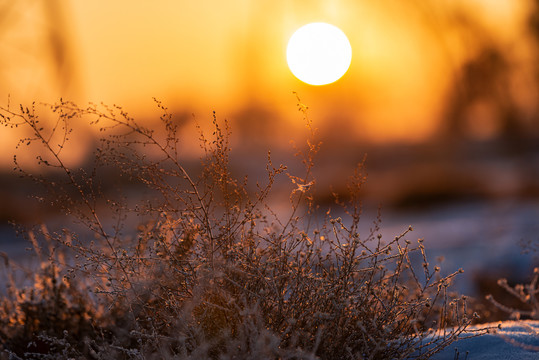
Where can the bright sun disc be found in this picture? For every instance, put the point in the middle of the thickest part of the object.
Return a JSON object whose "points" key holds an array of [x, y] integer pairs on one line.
{"points": [[318, 53]]}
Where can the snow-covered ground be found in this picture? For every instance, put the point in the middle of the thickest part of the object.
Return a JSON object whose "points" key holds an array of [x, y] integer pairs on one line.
{"points": [[478, 237], [516, 340], [481, 237]]}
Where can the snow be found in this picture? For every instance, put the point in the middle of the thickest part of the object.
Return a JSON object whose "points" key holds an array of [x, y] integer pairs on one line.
{"points": [[481, 237], [477, 237], [516, 340]]}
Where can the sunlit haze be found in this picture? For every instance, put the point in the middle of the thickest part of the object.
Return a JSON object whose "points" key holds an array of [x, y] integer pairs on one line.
{"points": [[231, 57]]}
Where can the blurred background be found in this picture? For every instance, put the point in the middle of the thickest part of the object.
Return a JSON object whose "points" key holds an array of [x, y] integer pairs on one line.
{"points": [[442, 96]]}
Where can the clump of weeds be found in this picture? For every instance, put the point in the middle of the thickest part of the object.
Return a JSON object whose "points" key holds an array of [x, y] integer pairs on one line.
{"points": [[202, 267]]}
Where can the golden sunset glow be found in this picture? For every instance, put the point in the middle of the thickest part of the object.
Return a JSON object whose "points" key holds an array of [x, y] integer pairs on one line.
{"points": [[235, 57], [319, 53]]}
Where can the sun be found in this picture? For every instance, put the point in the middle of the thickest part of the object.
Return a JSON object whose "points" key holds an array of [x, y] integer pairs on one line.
{"points": [[318, 53]]}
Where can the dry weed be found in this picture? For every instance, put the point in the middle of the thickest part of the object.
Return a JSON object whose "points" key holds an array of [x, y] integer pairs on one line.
{"points": [[210, 270]]}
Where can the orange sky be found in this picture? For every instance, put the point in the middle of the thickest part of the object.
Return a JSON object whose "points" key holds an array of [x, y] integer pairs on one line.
{"points": [[199, 56]]}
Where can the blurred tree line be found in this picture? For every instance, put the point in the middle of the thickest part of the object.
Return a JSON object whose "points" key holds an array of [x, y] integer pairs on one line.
{"points": [[485, 86]]}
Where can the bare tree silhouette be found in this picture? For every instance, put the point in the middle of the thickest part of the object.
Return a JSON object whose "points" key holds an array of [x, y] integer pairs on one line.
{"points": [[485, 79]]}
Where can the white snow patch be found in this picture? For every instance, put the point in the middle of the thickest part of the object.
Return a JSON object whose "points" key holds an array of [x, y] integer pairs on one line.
{"points": [[516, 340]]}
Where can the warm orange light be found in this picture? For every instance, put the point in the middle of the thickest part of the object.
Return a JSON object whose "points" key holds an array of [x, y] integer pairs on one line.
{"points": [[230, 57]]}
